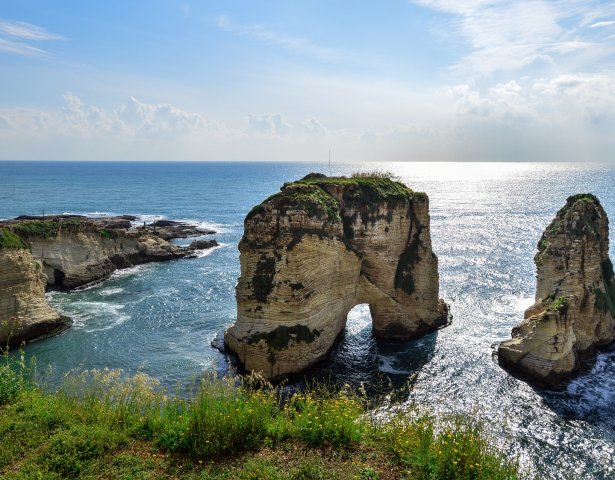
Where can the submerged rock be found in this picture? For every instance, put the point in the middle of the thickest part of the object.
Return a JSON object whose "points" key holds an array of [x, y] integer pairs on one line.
{"points": [[322, 245], [575, 298], [24, 312]]}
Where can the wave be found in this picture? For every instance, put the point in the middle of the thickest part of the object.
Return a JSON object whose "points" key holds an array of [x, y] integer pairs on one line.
{"points": [[387, 366], [111, 291], [90, 316]]}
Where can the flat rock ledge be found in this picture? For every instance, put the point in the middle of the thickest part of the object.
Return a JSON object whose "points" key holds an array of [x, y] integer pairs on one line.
{"points": [[574, 311], [312, 252]]}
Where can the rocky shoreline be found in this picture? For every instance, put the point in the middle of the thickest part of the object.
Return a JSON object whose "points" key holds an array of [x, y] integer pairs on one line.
{"points": [[66, 252]]}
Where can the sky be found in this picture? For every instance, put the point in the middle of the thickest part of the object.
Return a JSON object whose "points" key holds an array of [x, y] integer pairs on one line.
{"points": [[387, 80]]}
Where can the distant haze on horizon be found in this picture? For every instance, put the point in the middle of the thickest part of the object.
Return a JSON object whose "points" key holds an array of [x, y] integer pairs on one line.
{"points": [[402, 80]]}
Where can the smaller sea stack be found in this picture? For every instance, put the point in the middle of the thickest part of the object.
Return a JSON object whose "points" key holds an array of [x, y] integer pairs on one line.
{"points": [[575, 298]]}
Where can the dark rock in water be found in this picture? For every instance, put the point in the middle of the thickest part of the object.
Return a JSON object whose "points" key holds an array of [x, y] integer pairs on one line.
{"points": [[50, 218], [132, 218], [165, 223], [125, 224], [203, 244], [169, 229]]}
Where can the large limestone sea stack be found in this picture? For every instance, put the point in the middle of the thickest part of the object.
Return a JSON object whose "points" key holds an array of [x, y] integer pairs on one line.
{"points": [[322, 245], [575, 298]]}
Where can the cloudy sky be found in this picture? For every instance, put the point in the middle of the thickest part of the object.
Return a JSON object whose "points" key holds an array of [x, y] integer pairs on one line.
{"points": [[394, 80]]}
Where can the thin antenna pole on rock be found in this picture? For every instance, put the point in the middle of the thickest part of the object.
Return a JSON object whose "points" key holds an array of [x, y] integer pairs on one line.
{"points": [[329, 162]]}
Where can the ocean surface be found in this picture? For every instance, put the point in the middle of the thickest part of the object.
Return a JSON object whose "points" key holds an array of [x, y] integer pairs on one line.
{"points": [[486, 220]]}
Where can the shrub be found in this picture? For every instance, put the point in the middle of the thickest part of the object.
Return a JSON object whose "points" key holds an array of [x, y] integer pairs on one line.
{"points": [[13, 377], [321, 417]]}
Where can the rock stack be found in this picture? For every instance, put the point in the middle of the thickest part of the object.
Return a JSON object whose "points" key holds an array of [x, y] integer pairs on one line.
{"points": [[322, 245], [575, 298]]}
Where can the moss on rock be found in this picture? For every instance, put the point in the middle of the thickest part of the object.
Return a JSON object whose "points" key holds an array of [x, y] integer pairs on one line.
{"points": [[280, 337]]}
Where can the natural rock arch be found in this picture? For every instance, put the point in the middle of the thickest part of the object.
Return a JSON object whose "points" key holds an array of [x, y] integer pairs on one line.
{"points": [[318, 248]]}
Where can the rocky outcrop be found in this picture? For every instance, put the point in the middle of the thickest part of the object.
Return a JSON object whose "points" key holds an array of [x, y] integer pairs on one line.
{"points": [[322, 245], [70, 251], [24, 313], [76, 251], [575, 298]]}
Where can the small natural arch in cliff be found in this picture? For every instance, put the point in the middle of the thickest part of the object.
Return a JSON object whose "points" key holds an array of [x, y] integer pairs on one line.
{"points": [[319, 248], [358, 318]]}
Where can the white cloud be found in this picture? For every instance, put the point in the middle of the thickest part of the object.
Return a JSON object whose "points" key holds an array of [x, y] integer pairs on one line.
{"points": [[132, 120], [15, 38], [269, 124], [27, 31], [506, 36], [314, 127], [266, 36], [19, 48], [603, 24]]}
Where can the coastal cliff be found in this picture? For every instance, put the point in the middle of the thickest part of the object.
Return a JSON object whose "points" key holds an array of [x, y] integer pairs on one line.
{"points": [[76, 251], [322, 245], [575, 297], [66, 252], [24, 312]]}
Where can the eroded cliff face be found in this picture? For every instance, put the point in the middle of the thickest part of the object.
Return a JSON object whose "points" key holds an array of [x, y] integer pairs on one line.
{"points": [[24, 312], [75, 253], [575, 297], [312, 252]]}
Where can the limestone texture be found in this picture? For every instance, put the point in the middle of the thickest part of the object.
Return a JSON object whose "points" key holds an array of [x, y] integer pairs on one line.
{"points": [[321, 246], [574, 311], [76, 251], [24, 312]]}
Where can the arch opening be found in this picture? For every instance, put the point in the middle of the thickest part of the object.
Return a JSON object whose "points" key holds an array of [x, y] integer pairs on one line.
{"points": [[358, 319]]}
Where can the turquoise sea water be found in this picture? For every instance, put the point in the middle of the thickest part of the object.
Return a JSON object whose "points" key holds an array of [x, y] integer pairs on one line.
{"points": [[486, 221]]}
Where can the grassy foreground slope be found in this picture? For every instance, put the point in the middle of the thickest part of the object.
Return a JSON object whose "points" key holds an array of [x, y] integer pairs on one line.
{"points": [[101, 424]]}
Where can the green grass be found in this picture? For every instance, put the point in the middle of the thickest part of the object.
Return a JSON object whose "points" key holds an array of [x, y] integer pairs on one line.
{"points": [[44, 228], [362, 187], [8, 239], [102, 424], [311, 199]]}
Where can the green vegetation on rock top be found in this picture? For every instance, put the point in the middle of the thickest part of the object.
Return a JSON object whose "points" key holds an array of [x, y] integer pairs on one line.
{"points": [[313, 194], [584, 197], [311, 199], [368, 188], [8, 239], [590, 210], [43, 228]]}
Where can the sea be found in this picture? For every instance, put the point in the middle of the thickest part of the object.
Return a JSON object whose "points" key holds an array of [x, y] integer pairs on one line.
{"points": [[486, 220]]}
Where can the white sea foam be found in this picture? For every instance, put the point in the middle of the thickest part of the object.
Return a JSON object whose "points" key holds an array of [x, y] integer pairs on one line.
{"points": [[90, 316], [387, 366], [217, 227], [595, 390], [125, 272], [111, 291], [209, 251]]}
